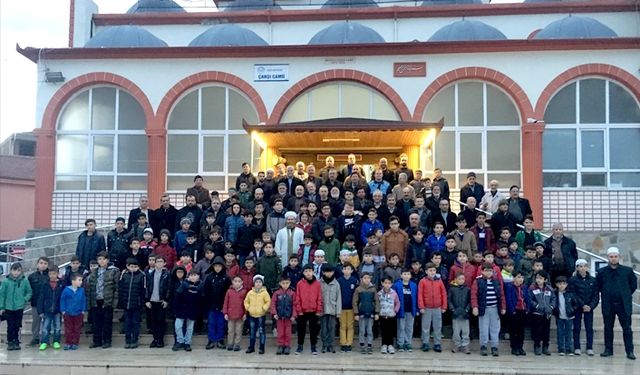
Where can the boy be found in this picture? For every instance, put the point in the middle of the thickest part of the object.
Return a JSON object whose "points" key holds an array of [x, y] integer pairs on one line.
{"points": [[148, 244], [191, 247], [395, 240], [73, 304], [517, 298], [101, 289], [135, 252], [407, 291], [366, 307], [537, 267], [501, 255], [370, 225], [418, 248], [36, 280], [460, 305], [513, 252], [231, 264], [586, 290], [488, 303], [204, 264], [432, 301], [350, 245], [437, 240], [442, 273], [505, 236], [131, 298], [489, 258], [330, 245], [373, 246], [138, 229], [234, 312], [180, 239], [389, 307], [74, 267], [248, 272], [246, 234], [331, 307], [393, 270], [165, 250], [528, 236], [157, 298], [214, 291], [48, 308], [257, 304], [216, 241], [306, 250], [462, 265], [348, 285], [545, 258], [543, 301], [417, 273], [526, 263], [15, 291], [293, 270], [258, 251], [465, 239], [565, 309], [483, 234], [450, 252], [308, 306], [318, 262], [284, 313], [270, 267], [118, 243], [186, 307]]}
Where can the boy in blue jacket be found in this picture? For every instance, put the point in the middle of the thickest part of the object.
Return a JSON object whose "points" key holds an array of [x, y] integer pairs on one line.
{"points": [[48, 308], [348, 284], [73, 304], [518, 304], [407, 292]]}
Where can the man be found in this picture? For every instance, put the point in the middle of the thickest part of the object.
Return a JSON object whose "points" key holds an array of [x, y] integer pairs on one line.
{"points": [[290, 180], [267, 183], [616, 284], [289, 238], [347, 169], [297, 200], [438, 180], [329, 163], [203, 199], [142, 208], [443, 215], [312, 192], [258, 196], [90, 243], [432, 202], [470, 213], [190, 211], [311, 177], [403, 168], [422, 211], [300, 173], [354, 181], [387, 174], [165, 216], [332, 180], [246, 176], [379, 183], [219, 216], [492, 198], [519, 207], [471, 189], [415, 224], [563, 253], [281, 193], [403, 182]]}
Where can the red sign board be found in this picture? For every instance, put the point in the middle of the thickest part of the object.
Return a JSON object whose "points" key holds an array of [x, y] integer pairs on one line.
{"points": [[410, 69]]}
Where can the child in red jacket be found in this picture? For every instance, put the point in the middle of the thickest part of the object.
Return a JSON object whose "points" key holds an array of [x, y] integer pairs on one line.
{"points": [[284, 313], [165, 250], [234, 313], [462, 265], [308, 306], [432, 301]]}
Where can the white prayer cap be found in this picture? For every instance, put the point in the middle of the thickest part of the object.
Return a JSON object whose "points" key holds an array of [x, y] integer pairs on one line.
{"points": [[613, 250], [290, 214], [581, 262]]}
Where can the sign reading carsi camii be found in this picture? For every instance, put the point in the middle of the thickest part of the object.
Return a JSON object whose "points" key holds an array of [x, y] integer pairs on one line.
{"points": [[410, 69]]}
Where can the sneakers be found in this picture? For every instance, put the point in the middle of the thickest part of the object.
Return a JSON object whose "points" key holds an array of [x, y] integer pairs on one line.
{"points": [[483, 351], [437, 348], [331, 349], [106, 345], [95, 345], [363, 350], [606, 354], [68, 347], [590, 352], [408, 348], [466, 350], [391, 349], [631, 356], [34, 342], [522, 352], [455, 349], [425, 347], [400, 348], [133, 345], [314, 351], [43, 346], [383, 349], [286, 350], [75, 347], [236, 348], [187, 347], [537, 350], [56, 345], [210, 345], [369, 349], [299, 350], [230, 348], [280, 350], [561, 354], [545, 350], [494, 352], [577, 352], [261, 350], [250, 350], [176, 347]]}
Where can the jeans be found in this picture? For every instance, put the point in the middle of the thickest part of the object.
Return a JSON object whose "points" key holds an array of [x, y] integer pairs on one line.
{"points": [[405, 329], [132, 318], [365, 330], [216, 326], [432, 316], [388, 329], [490, 327], [625, 323], [346, 327], [327, 329], [460, 332], [588, 328], [256, 327], [181, 336], [14, 322], [102, 323], [158, 321], [51, 322], [565, 335], [312, 319]]}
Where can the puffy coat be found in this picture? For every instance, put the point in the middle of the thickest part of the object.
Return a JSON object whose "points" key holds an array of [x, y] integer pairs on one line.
{"points": [[367, 226], [14, 293], [109, 292], [479, 294], [459, 298], [308, 297], [467, 269], [257, 302], [331, 297], [163, 290], [168, 253], [511, 297], [585, 289], [419, 251], [187, 300], [270, 267], [131, 290], [399, 288], [571, 304], [231, 226], [389, 303], [36, 280], [88, 247], [73, 302], [215, 288], [277, 298], [543, 300], [365, 301], [49, 298], [432, 294], [234, 303]]}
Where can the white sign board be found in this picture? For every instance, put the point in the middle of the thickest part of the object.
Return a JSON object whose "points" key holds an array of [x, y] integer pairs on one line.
{"points": [[270, 72]]}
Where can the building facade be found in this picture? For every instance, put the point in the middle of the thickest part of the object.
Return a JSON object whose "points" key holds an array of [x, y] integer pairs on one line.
{"points": [[540, 95]]}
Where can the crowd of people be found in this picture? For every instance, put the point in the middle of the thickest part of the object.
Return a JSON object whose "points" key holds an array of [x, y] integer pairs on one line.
{"points": [[333, 251]]}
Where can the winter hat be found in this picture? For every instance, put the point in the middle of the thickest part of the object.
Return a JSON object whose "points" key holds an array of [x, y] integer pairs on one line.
{"points": [[258, 277], [345, 252], [218, 260], [581, 262], [539, 243]]}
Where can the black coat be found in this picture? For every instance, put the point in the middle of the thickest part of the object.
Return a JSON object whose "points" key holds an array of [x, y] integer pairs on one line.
{"points": [[118, 247], [525, 207], [187, 299], [36, 280], [500, 220], [164, 285], [291, 187], [194, 213], [49, 298], [569, 253], [620, 281], [164, 218], [215, 288], [585, 289], [465, 192], [571, 304], [444, 187], [88, 247], [132, 290], [459, 297], [449, 223]]}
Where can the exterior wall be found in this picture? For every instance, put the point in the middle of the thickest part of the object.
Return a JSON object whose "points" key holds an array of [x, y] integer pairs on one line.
{"points": [[70, 210], [17, 199]]}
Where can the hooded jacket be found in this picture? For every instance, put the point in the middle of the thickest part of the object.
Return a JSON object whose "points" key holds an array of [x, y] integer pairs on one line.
{"points": [[49, 298], [72, 302], [398, 286], [175, 283], [234, 303], [432, 294], [257, 302], [186, 303], [131, 290], [459, 300], [215, 286], [14, 293], [331, 296], [109, 292]]}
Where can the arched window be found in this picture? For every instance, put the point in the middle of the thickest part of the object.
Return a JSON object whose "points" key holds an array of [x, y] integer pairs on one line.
{"points": [[340, 99], [481, 133], [101, 144], [592, 136], [205, 137]]}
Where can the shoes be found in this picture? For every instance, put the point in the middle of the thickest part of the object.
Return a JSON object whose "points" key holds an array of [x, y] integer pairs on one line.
{"points": [[349, 348], [286, 350], [522, 352], [280, 350], [43, 346], [176, 347], [631, 356], [56, 345], [590, 352], [154, 344], [210, 345], [545, 350], [68, 347], [343, 348], [92, 346], [369, 349], [126, 346], [220, 345], [606, 354], [561, 354], [261, 350], [314, 351], [230, 348], [391, 349], [537, 350], [250, 350], [106, 345], [437, 348], [331, 349], [494, 352], [425, 347], [74, 347], [515, 352], [160, 344], [134, 345], [400, 348], [577, 352], [187, 347], [569, 353], [324, 349], [363, 350], [483, 351], [383, 349], [466, 350], [34, 342], [408, 348], [299, 350], [236, 348]]}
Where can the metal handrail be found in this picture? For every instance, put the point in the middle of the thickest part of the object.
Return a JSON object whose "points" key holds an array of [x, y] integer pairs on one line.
{"points": [[21, 240]]}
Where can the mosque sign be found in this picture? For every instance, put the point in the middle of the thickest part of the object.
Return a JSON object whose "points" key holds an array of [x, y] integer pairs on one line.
{"points": [[271, 72]]}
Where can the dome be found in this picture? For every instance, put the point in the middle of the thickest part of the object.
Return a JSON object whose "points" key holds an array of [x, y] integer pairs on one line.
{"points": [[574, 27], [227, 35], [350, 4], [449, 2], [155, 6], [124, 37], [240, 5], [346, 33], [467, 30]]}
